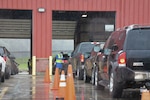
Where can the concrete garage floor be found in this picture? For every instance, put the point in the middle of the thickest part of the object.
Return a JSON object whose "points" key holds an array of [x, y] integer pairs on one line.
{"points": [[25, 87]]}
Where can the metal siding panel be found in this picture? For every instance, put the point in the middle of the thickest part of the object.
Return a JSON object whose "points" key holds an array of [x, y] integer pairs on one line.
{"points": [[89, 5], [9, 4], [80, 5], [15, 4], [118, 14], [34, 29], [53, 4], [146, 11], [94, 4], [43, 33], [57, 5], [67, 5], [141, 6], [123, 13], [61, 4], [98, 4], [136, 14], [113, 5], [24, 5], [108, 4], [126, 12], [4, 4], [19, 4], [39, 31], [49, 29], [131, 12], [75, 4], [49, 37], [29, 4], [103, 5]]}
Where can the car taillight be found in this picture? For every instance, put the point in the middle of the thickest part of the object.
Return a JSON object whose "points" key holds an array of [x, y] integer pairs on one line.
{"points": [[122, 59], [65, 61], [82, 58], [5, 58]]}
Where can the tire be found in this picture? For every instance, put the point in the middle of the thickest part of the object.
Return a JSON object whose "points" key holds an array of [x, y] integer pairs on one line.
{"points": [[3, 78], [85, 77], [97, 79], [80, 74], [93, 76], [115, 88], [7, 73]]}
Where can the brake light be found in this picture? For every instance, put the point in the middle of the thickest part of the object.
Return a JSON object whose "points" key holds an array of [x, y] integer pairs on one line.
{"points": [[122, 59], [65, 61], [82, 58], [5, 58], [95, 43]]}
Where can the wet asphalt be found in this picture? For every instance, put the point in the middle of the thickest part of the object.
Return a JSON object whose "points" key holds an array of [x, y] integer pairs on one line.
{"points": [[27, 87]]}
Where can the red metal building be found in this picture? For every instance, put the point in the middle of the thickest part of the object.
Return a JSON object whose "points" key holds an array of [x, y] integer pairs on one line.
{"points": [[127, 12]]}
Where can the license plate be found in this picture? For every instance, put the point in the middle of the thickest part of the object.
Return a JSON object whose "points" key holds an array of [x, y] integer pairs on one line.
{"points": [[137, 63]]}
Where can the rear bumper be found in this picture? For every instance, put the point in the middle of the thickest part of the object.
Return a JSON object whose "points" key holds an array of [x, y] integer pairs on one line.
{"points": [[126, 74]]}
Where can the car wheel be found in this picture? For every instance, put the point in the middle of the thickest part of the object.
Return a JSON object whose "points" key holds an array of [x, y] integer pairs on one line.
{"points": [[97, 79], [115, 88], [3, 78], [7, 73], [80, 74], [85, 77], [93, 77]]}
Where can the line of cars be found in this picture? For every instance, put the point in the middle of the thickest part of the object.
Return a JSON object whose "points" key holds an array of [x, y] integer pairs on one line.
{"points": [[122, 63], [8, 66]]}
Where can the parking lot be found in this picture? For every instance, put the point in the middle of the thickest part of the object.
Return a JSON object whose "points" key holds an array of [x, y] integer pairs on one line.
{"points": [[27, 87]]}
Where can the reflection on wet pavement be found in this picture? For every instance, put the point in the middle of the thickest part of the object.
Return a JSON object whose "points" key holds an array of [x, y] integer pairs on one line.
{"points": [[26, 87]]}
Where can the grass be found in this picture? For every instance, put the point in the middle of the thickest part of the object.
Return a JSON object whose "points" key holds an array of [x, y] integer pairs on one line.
{"points": [[23, 63]]}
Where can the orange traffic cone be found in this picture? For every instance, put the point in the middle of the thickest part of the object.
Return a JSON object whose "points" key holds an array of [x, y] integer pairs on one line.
{"points": [[47, 77], [62, 86], [70, 90], [56, 79], [145, 95]]}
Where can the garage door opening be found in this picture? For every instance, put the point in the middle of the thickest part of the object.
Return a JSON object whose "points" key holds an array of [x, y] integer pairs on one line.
{"points": [[73, 27], [16, 34]]}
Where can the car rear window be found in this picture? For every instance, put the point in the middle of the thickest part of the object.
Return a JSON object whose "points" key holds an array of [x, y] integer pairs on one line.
{"points": [[86, 47], [138, 39], [1, 51]]}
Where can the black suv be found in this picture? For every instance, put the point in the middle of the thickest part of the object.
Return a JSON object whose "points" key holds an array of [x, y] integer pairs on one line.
{"points": [[125, 60]]}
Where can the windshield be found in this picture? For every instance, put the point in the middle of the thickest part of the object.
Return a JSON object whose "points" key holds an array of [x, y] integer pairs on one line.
{"points": [[86, 47], [138, 39]]}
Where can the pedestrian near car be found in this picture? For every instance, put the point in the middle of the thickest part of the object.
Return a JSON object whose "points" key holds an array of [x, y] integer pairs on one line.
{"points": [[59, 60], [30, 66]]}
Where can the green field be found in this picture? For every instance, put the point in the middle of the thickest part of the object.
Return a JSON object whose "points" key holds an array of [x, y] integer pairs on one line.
{"points": [[23, 63]]}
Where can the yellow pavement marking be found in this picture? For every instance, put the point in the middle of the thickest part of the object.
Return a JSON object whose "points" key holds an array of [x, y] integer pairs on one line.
{"points": [[3, 92]]}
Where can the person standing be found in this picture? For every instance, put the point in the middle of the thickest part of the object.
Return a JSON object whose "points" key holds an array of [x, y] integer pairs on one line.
{"points": [[59, 60], [30, 66]]}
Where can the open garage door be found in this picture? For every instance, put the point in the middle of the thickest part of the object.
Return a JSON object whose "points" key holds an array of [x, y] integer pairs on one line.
{"points": [[16, 34], [81, 26], [63, 29], [15, 28]]}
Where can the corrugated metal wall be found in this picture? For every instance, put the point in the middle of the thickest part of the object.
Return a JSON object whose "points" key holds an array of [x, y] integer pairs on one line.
{"points": [[127, 12]]}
